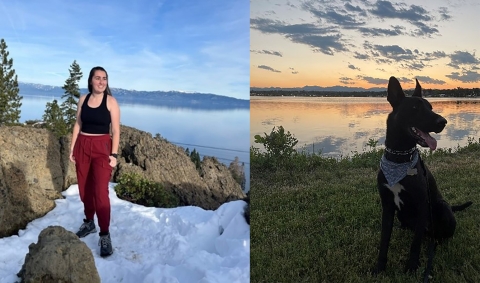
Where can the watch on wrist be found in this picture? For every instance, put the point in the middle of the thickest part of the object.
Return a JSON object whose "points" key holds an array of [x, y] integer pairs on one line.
{"points": [[114, 155]]}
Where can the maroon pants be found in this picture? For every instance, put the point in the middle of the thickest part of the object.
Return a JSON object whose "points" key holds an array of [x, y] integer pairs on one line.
{"points": [[93, 174]]}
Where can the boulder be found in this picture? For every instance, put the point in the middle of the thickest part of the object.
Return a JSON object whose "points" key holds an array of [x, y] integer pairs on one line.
{"points": [[31, 176], [58, 256], [160, 161]]}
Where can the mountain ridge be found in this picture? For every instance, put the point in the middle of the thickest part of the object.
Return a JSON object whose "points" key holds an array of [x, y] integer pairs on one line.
{"points": [[194, 100]]}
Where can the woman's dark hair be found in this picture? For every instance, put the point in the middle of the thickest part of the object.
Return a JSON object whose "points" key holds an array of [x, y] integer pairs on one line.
{"points": [[90, 77]]}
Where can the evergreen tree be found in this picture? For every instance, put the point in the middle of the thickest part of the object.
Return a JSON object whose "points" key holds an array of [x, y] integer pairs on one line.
{"points": [[53, 118], [238, 172], [195, 157], [10, 100], [71, 96]]}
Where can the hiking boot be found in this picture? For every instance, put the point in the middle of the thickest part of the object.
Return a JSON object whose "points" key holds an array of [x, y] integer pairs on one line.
{"points": [[87, 227], [105, 244]]}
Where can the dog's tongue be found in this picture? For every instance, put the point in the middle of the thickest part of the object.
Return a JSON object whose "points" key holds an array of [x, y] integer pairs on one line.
{"points": [[431, 142]]}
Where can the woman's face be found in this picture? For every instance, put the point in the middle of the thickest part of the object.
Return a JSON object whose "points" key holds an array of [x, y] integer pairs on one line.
{"points": [[99, 81]]}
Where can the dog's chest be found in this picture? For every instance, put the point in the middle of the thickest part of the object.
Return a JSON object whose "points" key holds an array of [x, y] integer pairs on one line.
{"points": [[396, 190]]}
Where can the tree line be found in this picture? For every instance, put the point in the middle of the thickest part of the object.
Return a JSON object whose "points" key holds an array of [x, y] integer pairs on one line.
{"points": [[456, 92]]}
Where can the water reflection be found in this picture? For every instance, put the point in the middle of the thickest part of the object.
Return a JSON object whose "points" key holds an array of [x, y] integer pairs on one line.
{"points": [[339, 126]]}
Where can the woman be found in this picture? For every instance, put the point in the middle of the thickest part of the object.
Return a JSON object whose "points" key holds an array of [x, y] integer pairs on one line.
{"points": [[94, 153]]}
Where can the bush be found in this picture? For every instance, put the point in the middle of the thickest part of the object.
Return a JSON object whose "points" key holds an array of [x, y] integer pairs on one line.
{"points": [[279, 146], [278, 143], [132, 187]]}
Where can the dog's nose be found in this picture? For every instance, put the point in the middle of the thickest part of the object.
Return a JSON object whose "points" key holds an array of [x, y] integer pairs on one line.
{"points": [[441, 122]]}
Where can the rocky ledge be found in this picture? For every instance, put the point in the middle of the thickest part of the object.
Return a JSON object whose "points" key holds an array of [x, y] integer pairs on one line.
{"points": [[35, 169]]}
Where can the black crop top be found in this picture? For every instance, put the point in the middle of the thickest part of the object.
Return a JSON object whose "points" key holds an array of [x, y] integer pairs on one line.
{"points": [[95, 120]]}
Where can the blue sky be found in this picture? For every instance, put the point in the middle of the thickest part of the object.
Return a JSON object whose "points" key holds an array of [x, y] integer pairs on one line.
{"points": [[178, 45]]}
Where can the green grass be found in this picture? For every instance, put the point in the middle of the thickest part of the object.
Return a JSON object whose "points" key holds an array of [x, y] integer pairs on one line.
{"points": [[317, 219]]}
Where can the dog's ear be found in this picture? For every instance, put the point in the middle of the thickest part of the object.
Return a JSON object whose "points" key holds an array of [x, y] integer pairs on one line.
{"points": [[418, 90], [395, 92]]}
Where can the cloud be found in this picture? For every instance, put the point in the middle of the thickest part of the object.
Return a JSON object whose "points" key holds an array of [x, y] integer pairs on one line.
{"points": [[361, 56], [268, 68], [415, 15], [267, 52], [405, 57], [385, 9], [423, 29], [351, 66], [426, 79], [346, 20], [394, 52], [280, 27], [346, 80], [352, 8], [321, 39], [444, 15], [324, 44], [293, 70], [465, 77], [394, 31], [375, 81], [428, 56], [458, 58]]}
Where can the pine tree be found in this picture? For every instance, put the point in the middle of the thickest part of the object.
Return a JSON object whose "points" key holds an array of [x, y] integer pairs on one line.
{"points": [[195, 157], [71, 96], [238, 172], [53, 118], [10, 100]]}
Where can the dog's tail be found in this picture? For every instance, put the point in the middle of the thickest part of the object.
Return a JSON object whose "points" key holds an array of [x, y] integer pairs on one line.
{"points": [[461, 207]]}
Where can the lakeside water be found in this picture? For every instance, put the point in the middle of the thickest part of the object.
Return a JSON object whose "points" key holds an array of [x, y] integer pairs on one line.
{"points": [[220, 133], [339, 126]]}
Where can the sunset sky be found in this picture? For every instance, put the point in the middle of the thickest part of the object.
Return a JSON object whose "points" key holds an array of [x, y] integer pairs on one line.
{"points": [[181, 45], [361, 43]]}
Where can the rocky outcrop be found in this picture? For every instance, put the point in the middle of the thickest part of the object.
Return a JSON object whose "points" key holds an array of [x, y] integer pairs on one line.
{"points": [[58, 256], [30, 176], [35, 168], [160, 161]]}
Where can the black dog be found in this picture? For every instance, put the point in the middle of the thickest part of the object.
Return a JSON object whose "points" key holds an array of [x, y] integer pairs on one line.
{"points": [[405, 184]]}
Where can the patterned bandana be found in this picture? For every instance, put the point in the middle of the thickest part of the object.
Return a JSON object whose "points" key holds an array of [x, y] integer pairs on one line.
{"points": [[394, 172]]}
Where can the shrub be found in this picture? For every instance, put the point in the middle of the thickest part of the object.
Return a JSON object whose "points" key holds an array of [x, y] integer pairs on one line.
{"points": [[132, 187], [279, 146], [278, 143]]}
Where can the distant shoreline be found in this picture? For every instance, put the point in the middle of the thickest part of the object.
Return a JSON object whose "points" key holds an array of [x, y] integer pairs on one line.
{"points": [[458, 93], [174, 101]]}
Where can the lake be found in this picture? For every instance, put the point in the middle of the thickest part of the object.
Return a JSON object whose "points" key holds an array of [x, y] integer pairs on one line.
{"points": [[220, 133], [339, 126]]}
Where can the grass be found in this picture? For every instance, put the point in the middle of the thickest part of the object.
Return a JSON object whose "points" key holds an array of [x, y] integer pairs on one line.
{"points": [[317, 219]]}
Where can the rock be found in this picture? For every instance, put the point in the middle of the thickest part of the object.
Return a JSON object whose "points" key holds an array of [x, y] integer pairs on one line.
{"points": [[160, 161], [68, 168], [219, 180], [30, 176], [58, 256]]}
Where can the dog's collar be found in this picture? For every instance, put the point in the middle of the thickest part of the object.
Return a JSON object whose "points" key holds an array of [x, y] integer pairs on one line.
{"points": [[399, 156]]}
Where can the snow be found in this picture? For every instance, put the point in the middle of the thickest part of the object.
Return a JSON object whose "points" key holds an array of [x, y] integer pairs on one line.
{"points": [[175, 245]]}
